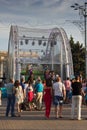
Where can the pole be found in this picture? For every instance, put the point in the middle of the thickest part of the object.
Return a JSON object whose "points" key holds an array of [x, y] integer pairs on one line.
{"points": [[85, 43], [83, 10], [52, 57]]}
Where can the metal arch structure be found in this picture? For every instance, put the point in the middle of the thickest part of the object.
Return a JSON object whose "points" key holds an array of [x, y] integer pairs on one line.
{"points": [[66, 56], [54, 45], [79, 24]]}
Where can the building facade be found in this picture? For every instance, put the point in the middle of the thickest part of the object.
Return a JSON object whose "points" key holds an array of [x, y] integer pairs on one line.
{"points": [[3, 65]]}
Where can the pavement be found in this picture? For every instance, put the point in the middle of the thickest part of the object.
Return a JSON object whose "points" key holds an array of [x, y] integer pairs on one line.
{"points": [[34, 120]]}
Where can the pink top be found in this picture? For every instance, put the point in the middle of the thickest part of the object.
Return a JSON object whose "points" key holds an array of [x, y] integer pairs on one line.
{"points": [[67, 84]]}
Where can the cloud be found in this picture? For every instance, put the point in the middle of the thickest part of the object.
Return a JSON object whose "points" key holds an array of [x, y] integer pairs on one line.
{"points": [[33, 13], [31, 7]]}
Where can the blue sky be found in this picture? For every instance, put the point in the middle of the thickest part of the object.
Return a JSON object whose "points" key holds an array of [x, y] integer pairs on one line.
{"points": [[37, 13]]}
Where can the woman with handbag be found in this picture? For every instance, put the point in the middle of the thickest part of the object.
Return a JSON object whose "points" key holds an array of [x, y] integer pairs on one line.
{"points": [[19, 97]]}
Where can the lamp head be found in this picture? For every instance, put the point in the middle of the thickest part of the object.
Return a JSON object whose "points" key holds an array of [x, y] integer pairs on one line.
{"points": [[72, 6], [76, 4]]}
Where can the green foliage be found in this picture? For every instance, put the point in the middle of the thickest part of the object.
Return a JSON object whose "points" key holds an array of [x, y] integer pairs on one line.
{"points": [[78, 56]]}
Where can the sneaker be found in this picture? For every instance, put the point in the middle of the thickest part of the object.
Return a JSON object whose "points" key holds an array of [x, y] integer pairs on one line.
{"points": [[79, 119]]}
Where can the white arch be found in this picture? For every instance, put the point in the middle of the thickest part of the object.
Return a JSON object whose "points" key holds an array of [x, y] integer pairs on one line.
{"points": [[53, 34], [65, 42]]}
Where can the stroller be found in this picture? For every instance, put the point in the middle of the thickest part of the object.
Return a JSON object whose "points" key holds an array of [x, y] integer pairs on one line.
{"points": [[29, 104], [24, 105]]}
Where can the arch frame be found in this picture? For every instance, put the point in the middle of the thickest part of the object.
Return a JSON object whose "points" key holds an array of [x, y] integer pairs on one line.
{"points": [[14, 67]]}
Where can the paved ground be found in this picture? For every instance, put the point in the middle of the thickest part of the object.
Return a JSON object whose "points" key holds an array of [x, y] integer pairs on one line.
{"points": [[34, 120]]}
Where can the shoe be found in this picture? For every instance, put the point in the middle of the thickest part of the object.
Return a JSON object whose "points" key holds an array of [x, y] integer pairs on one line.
{"points": [[13, 116], [56, 116], [60, 117], [19, 115], [72, 119], [46, 118]]}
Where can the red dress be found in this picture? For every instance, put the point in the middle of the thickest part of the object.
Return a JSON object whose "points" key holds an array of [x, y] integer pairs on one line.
{"points": [[30, 96], [47, 100]]}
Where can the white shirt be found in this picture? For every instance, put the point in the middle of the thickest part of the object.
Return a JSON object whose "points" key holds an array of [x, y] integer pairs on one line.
{"points": [[58, 88]]}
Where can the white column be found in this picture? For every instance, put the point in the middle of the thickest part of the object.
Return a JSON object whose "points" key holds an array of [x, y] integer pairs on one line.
{"points": [[67, 70], [52, 56], [61, 61], [1, 69], [18, 69], [1, 66]]}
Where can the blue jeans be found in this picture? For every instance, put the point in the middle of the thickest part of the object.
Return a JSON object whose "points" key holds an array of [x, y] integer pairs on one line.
{"points": [[10, 104]]}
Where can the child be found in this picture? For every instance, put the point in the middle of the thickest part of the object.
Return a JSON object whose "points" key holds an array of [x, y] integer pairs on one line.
{"points": [[30, 95]]}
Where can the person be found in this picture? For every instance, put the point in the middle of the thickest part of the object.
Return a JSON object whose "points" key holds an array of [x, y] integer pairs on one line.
{"points": [[85, 98], [48, 97], [10, 99], [39, 94], [0, 93], [84, 86], [30, 95], [76, 98], [17, 89], [31, 78], [23, 85], [59, 94], [46, 74], [68, 88], [26, 85], [0, 97]]}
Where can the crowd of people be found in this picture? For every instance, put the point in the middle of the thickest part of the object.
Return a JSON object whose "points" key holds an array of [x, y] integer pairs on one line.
{"points": [[50, 90]]}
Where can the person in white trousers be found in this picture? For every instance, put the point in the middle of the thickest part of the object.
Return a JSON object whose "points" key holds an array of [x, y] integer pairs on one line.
{"points": [[76, 98]]}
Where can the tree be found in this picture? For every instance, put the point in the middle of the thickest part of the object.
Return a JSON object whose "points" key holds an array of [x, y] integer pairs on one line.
{"points": [[78, 56]]}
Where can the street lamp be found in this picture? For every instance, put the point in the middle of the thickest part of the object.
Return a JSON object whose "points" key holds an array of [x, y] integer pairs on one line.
{"points": [[83, 12]]}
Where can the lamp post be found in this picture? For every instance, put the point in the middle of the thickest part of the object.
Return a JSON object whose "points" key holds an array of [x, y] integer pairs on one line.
{"points": [[83, 12]]}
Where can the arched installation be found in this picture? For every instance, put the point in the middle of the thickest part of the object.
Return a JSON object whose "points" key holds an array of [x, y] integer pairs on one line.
{"points": [[39, 46]]}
